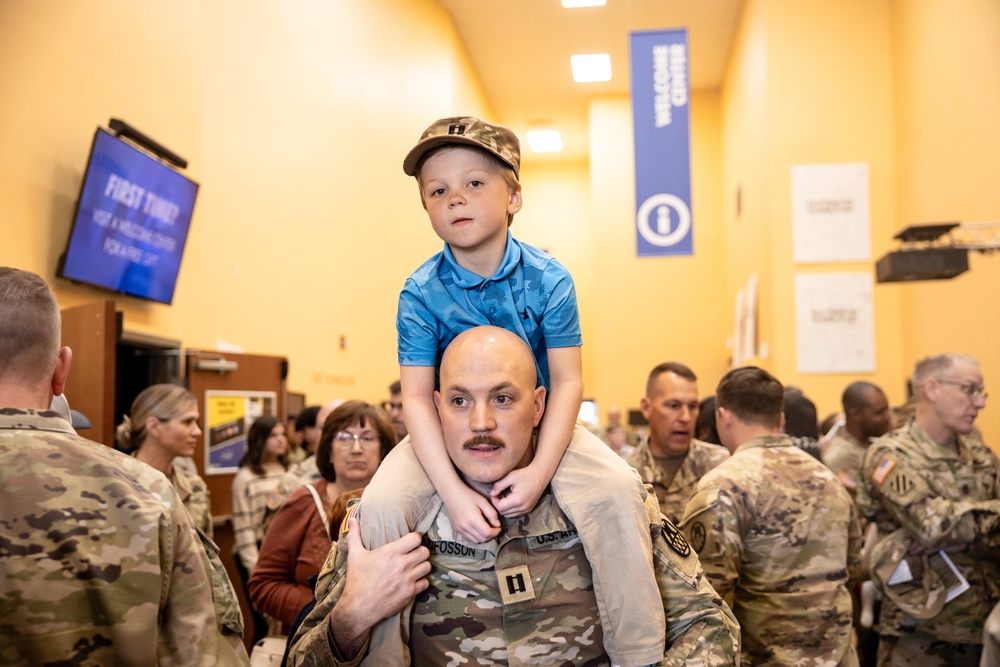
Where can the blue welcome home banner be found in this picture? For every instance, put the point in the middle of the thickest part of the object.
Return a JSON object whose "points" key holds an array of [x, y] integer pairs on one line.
{"points": [[662, 121]]}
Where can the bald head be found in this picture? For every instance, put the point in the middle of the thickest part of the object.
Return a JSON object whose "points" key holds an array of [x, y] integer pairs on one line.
{"points": [[488, 404], [325, 411], [491, 347], [859, 394], [866, 411]]}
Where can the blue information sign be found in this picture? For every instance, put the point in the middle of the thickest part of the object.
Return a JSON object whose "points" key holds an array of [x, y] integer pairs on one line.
{"points": [[662, 122]]}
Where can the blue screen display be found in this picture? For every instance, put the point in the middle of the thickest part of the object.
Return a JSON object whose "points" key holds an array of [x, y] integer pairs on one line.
{"points": [[131, 222]]}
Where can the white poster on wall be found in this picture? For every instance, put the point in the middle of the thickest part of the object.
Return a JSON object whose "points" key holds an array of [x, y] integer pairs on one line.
{"points": [[835, 322], [830, 213]]}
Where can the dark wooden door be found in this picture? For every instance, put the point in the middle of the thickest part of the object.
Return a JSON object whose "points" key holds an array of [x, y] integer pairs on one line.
{"points": [[252, 373], [91, 331]]}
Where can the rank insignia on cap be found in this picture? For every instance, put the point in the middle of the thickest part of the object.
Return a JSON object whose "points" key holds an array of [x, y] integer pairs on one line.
{"points": [[883, 469], [675, 539]]}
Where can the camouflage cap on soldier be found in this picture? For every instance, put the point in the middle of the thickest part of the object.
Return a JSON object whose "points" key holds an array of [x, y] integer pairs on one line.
{"points": [[496, 139], [922, 595]]}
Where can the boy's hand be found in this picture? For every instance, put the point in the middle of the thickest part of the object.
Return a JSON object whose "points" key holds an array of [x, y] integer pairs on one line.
{"points": [[472, 515], [518, 491]]}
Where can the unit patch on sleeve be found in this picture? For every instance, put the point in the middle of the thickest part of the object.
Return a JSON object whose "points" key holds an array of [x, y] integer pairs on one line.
{"points": [[675, 539], [353, 512], [698, 536], [898, 483]]}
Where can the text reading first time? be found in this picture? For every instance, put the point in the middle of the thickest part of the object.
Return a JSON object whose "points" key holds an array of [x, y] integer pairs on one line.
{"points": [[132, 195]]}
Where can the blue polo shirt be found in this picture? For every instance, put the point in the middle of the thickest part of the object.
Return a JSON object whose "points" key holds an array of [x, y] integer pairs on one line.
{"points": [[531, 294]]}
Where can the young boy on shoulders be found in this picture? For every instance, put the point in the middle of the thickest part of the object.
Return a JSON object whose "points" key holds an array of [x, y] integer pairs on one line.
{"points": [[467, 171]]}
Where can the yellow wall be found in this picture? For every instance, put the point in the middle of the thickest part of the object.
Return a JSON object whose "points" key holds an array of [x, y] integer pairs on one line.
{"points": [[947, 85], [295, 117], [651, 310], [556, 216], [812, 96]]}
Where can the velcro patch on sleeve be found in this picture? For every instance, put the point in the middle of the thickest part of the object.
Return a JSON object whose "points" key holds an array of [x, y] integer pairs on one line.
{"points": [[903, 487], [515, 584], [883, 469], [353, 509]]}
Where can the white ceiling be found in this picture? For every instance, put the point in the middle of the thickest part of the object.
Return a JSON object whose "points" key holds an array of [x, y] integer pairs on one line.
{"points": [[521, 51]]}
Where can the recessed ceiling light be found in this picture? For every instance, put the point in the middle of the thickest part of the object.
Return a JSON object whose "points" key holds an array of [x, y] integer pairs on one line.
{"points": [[544, 141], [591, 67], [570, 4]]}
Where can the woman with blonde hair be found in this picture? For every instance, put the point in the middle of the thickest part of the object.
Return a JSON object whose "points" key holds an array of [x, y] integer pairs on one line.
{"points": [[163, 425]]}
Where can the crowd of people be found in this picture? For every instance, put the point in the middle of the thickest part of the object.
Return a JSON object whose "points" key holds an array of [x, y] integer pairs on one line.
{"points": [[471, 519]]}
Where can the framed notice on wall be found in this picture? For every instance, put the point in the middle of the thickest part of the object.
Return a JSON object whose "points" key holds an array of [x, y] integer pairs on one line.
{"points": [[835, 322], [228, 416], [830, 213]]}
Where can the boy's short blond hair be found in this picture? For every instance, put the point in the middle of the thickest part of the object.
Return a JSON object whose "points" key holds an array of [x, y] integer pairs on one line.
{"points": [[501, 167]]}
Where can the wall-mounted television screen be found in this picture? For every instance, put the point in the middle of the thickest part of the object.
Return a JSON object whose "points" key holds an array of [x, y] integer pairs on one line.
{"points": [[131, 222]]}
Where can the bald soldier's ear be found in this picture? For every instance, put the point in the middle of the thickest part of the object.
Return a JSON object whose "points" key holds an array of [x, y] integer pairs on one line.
{"points": [[539, 403], [61, 372]]}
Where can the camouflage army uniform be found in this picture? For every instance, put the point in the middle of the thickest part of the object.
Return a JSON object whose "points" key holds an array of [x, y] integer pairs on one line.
{"points": [[701, 458], [774, 529], [843, 456], [991, 638], [98, 563], [945, 501], [193, 492], [543, 612]]}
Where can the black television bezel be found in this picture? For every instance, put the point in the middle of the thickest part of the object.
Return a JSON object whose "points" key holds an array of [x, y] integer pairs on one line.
{"points": [[132, 145]]}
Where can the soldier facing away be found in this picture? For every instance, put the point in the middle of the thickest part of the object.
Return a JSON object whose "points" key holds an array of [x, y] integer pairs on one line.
{"points": [[99, 561], [777, 533]]}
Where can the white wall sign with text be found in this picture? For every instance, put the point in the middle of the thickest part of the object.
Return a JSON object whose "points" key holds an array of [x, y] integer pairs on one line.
{"points": [[835, 323], [830, 213]]}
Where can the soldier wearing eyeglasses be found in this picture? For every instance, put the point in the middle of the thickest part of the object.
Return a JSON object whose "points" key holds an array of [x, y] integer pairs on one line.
{"points": [[394, 406], [932, 488]]}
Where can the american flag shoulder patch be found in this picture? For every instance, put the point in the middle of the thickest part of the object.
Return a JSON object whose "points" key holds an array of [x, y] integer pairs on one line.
{"points": [[353, 509], [883, 469]]}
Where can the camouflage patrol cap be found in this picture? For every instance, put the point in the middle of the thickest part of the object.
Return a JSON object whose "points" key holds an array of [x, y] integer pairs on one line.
{"points": [[496, 139], [923, 595]]}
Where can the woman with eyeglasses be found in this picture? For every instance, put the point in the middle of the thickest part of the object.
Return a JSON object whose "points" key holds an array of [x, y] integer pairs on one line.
{"points": [[162, 426], [355, 438]]}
